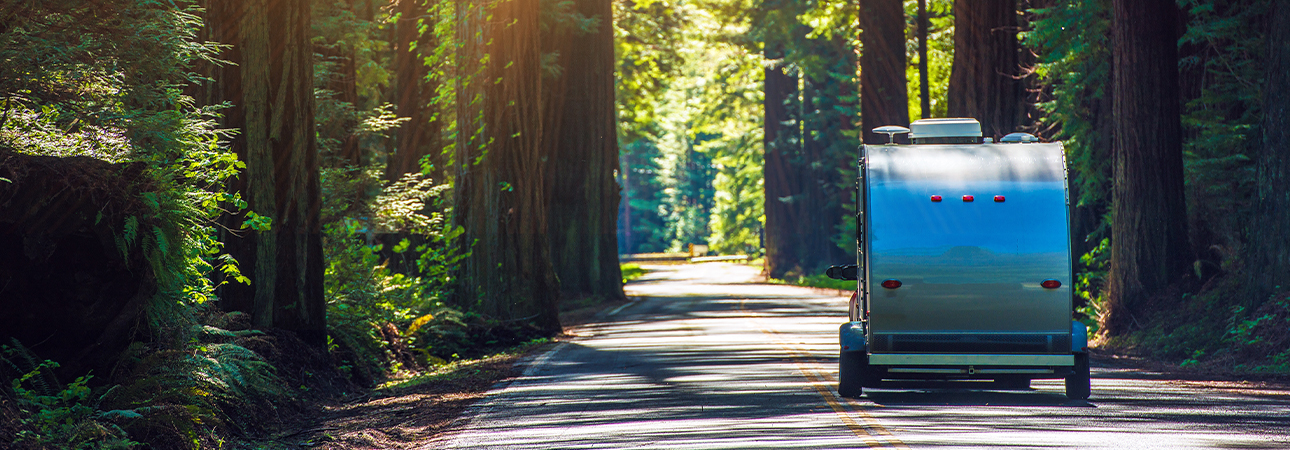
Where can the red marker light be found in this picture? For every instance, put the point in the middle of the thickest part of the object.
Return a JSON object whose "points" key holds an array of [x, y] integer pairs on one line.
{"points": [[998, 199], [891, 283], [936, 198], [968, 198], [1051, 284]]}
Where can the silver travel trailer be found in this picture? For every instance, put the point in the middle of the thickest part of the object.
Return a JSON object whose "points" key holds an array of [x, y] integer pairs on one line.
{"points": [[963, 266]]}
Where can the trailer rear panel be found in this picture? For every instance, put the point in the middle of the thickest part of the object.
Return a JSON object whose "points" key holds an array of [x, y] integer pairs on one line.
{"points": [[970, 271]]}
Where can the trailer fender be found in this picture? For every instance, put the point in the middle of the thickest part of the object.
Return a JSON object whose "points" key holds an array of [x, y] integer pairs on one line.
{"points": [[851, 335], [1079, 337]]}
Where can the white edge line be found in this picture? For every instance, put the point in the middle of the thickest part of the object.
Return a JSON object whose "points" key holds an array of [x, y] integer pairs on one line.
{"points": [[620, 308]]}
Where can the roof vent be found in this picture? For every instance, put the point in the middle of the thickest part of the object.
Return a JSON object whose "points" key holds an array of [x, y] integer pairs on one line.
{"points": [[945, 131], [1013, 138]]}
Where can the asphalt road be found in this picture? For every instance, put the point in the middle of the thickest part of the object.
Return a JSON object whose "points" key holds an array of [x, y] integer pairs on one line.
{"points": [[707, 360]]}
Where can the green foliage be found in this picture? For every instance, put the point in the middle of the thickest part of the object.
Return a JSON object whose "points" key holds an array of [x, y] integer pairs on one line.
{"points": [[1072, 39], [642, 227], [73, 84], [175, 395], [819, 281], [632, 271], [57, 416], [650, 59], [727, 78], [1089, 282], [373, 293], [1221, 122], [1206, 331], [76, 84], [67, 418], [690, 122]]}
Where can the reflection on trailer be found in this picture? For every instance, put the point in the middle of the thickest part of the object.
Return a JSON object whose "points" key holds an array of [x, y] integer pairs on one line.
{"points": [[963, 263]]}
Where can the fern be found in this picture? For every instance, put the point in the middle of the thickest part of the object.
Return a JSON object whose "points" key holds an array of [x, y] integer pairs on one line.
{"points": [[58, 416], [129, 231]]}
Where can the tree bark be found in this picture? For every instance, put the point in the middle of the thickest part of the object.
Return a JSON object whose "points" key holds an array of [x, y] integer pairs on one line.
{"points": [[580, 142], [508, 275], [781, 141], [271, 88], [924, 89], [420, 135], [1149, 230], [884, 93], [1270, 251], [984, 80]]}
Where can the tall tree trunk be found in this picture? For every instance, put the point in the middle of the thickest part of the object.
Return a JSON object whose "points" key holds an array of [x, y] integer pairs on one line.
{"points": [[884, 95], [924, 89], [420, 135], [984, 80], [271, 88], [781, 141], [508, 274], [1149, 231], [580, 140], [1270, 258]]}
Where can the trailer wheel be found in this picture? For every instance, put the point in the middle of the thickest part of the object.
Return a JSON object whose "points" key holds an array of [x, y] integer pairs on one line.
{"points": [[1079, 385], [851, 373]]}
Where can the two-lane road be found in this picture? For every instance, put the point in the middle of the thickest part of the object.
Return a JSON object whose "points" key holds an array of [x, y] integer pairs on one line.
{"points": [[705, 360]]}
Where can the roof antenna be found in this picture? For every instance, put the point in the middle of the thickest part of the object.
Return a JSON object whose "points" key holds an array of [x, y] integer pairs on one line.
{"points": [[891, 131]]}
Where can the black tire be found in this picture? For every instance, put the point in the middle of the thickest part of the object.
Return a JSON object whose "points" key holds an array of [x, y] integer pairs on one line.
{"points": [[1079, 385], [852, 368]]}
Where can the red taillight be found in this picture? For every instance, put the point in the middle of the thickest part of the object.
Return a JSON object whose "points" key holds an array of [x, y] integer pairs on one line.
{"points": [[998, 198], [968, 198], [853, 297], [936, 198], [891, 283], [1051, 284]]}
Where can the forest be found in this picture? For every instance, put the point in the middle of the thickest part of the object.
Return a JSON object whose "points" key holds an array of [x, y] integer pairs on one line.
{"points": [[210, 210]]}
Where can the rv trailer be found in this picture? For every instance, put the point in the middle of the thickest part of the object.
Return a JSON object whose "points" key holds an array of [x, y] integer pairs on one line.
{"points": [[963, 263]]}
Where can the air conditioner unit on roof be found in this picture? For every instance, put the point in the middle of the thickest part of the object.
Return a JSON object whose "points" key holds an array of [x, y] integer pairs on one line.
{"points": [[945, 128]]}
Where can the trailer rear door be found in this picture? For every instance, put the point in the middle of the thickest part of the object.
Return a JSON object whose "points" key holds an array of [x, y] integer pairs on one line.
{"points": [[970, 271]]}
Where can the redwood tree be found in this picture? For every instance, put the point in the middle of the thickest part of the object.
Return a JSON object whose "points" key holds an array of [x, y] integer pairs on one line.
{"points": [[781, 141], [271, 90], [884, 98], [508, 275], [580, 142], [984, 79], [414, 92], [924, 94], [1270, 251], [1149, 229]]}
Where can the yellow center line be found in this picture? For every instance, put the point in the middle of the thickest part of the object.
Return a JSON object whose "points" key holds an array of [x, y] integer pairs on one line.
{"points": [[818, 381]]}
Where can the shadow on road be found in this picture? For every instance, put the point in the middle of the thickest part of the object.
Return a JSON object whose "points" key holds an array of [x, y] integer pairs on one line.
{"points": [[963, 394]]}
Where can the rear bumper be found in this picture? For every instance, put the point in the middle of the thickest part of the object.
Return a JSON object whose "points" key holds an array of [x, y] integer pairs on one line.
{"points": [[948, 359], [931, 366]]}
